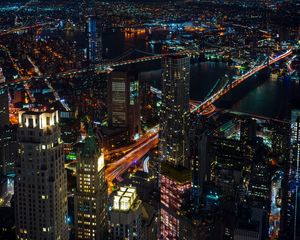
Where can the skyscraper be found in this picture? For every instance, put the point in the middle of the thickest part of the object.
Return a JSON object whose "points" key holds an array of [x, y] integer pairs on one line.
{"points": [[4, 122], [199, 165], [174, 120], [94, 48], [91, 198], [41, 181], [94, 37], [8, 150], [248, 130], [295, 171], [124, 108], [7, 135], [175, 182], [175, 110], [4, 151], [4, 110]]}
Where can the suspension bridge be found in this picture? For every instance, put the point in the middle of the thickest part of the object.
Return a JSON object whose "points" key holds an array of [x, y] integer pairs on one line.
{"points": [[230, 85], [150, 140], [220, 88], [115, 170], [104, 67], [122, 61]]}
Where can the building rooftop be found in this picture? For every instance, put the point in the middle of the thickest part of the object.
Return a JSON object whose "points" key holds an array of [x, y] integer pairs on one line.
{"points": [[90, 147], [176, 173], [124, 199], [40, 118]]}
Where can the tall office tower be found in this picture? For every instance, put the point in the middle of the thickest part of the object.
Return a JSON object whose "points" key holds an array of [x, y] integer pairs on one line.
{"points": [[91, 198], [227, 161], [8, 150], [4, 110], [123, 103], [295, 172], [174, 113], [126, 215], [259, 188], [280, 140], [94, 36], [41, 180]]}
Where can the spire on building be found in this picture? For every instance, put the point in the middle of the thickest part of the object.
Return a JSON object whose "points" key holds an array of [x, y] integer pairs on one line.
{"points": [[90, 147]]}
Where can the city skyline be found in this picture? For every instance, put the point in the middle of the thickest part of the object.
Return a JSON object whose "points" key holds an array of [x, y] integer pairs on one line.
{"points": [[150, 120]]}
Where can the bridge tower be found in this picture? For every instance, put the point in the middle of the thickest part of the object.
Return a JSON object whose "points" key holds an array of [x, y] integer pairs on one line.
{"points": [[268, 32]]}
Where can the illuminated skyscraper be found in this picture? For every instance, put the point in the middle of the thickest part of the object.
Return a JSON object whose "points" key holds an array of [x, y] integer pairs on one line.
{"points": [[174, 181], [295, 172], [94, 37], [175, 110], [41, 180], [94, 48], [124, 108], [91, 198], [175, 178]]}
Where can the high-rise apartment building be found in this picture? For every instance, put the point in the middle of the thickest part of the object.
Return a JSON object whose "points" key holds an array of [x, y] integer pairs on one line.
{"points": [[91, 198], [175, 182], [41, 181], [124, 108], [174, 113], [175, 178]]}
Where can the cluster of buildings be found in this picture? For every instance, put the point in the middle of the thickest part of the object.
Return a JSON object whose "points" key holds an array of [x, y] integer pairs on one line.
{"points": [[230, 176], [232, 166], [222, 176], [40, 199]]}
